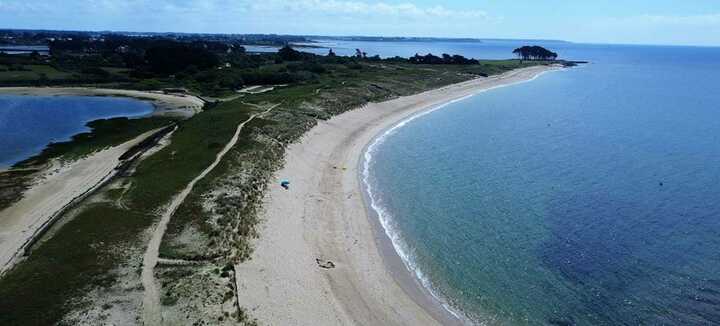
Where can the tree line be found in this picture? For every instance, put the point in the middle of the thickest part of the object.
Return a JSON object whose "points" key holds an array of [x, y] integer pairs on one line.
{"points": [[446, 59]]}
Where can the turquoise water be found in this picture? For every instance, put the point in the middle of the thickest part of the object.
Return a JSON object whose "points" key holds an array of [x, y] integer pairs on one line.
{"points": [[29, 123], [586, 197]]}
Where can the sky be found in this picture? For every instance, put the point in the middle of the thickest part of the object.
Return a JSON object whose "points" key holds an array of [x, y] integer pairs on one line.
{"points": [[671, 22]]}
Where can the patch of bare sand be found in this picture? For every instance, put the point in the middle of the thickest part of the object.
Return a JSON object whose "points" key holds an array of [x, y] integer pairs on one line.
{"points": [[323, 216]]}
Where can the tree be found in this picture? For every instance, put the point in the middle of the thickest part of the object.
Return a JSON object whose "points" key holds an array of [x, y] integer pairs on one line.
{"points": [[535, 53], [446, 59], [35, 56], [174, 57], [289, 54], [360, 54]]}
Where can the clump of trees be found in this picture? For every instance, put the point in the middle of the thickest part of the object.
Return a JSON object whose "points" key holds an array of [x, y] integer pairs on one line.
{"points": [[287, 53], [446, 59], [535, 53], [174, 57]]}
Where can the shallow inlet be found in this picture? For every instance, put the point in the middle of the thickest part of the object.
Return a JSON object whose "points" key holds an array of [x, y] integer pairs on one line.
{"points": [[29, 123]]}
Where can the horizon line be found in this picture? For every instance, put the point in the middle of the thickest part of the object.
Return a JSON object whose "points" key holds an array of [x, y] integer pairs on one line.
{"points": [[365, 36]]}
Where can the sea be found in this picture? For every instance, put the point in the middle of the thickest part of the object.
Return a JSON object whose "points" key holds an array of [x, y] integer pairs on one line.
{"points": [[588, 196], [29, 123]]}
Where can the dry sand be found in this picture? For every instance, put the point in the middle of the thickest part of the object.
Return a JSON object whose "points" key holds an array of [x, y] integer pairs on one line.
{"points": [[323, 216], [58, 188], [169, 105]]}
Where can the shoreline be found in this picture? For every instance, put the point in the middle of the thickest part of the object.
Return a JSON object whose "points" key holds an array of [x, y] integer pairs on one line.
{"points": [[400, 263], [164, 105], [324, 216]]}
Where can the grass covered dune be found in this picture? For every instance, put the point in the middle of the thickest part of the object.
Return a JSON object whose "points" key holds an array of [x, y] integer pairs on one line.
{"points": [[88, 269]]}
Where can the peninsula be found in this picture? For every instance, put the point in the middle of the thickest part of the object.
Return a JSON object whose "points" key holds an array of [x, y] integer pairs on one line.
{"points": [[180, 218]]}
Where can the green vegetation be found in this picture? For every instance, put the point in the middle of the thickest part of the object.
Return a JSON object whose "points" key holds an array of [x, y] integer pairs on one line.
{"points": [[79, 257], [82, 253], [12, 184]]}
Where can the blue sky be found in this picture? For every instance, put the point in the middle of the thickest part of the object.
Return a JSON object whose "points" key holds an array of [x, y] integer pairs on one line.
{"points": [[695, 22]]}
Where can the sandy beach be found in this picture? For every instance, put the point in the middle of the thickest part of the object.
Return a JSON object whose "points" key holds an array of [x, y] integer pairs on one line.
{"points": [[323, 218], [168, 105]]}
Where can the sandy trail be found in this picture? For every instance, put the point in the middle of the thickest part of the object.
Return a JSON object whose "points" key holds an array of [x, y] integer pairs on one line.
{"points": [[168, 105], [58, 189], [152, 315], [323, 216]]}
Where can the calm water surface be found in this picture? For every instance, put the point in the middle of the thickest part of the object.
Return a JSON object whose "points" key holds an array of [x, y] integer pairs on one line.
{"points": [[588, 196], [29, 123]]}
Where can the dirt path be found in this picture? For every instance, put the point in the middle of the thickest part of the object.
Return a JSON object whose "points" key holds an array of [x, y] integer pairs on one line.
{"points": [[45, 201], [151, 301]]}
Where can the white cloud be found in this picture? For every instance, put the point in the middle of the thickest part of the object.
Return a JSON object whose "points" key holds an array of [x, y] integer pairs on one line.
{"points": [[338, 7], [215, 7], [702, 29], [333, 17], [668, 20], [697, 20]]}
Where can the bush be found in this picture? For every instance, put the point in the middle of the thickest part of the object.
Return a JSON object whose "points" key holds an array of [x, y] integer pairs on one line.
{"points": [[95, 71], [18, 67], [313, 67], [175, 57]]}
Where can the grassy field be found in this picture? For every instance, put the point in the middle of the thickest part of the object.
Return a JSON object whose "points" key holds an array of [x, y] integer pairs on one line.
{"points": [[85, 253], [31, 72]]}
